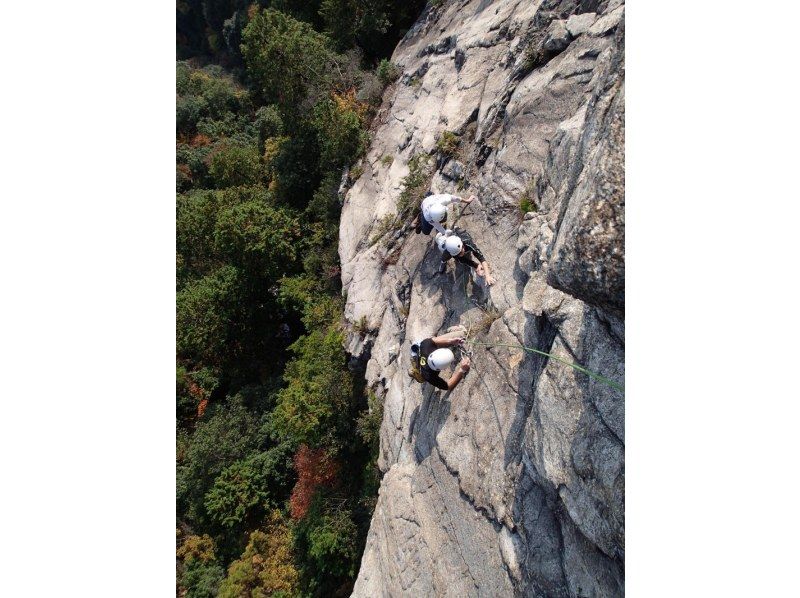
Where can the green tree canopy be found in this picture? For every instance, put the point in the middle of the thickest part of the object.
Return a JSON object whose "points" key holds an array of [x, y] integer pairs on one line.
{"points": [[206, 311], [226, 434], [339, 120], [314, 405], [259, 237], [234, 166], [266, 569], [249, 487], [287, 60]]}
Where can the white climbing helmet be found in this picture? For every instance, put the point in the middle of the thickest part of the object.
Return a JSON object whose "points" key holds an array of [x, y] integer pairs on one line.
{"points": [[453, 245], [440, 241], [437, 212], [440, 359]]}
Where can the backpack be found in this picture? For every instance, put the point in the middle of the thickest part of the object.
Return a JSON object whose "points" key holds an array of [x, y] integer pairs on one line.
{"points": [[415, 371]]}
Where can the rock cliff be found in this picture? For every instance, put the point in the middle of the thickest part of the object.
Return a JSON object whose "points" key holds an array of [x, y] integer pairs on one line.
{"points": [[513, 483]]}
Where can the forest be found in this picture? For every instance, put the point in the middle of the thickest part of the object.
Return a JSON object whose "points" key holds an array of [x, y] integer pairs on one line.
{"points": [[277, 440]]}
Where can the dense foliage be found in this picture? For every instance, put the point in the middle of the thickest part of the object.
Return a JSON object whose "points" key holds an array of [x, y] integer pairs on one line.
{"points": [[276, 440]]}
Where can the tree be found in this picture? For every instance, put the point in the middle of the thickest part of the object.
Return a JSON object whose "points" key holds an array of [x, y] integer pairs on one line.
{"points": [[315, 468], [226, 434], [314, 406], [267, 566], [234, 166], [196, 213], [206, 311], [258, 237], [328, 540], [246, 489], [286, 59], [339, 121], [201, 573], [352, 21], [202, 580]]}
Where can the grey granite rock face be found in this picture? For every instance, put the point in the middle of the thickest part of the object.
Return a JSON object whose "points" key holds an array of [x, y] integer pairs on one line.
{"points": [[512, 484], [578, 24]]}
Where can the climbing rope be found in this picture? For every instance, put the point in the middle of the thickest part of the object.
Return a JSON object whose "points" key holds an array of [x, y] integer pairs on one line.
{"points": [[589, 373]]}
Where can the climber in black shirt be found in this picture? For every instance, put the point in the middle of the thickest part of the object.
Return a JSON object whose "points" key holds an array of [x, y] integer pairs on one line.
{"points": [[461, 247], [432, 355]]}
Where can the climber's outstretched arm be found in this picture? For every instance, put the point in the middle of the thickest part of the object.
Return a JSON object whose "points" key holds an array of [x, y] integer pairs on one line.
{"points": [[459, 374], [443, 341], [483, 270]]}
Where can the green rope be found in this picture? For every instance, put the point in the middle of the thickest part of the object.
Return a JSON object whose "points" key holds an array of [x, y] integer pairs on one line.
{"points": [[589, 373]]}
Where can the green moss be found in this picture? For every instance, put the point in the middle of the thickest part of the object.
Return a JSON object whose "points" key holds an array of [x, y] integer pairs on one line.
{"points": [[527, 201]]}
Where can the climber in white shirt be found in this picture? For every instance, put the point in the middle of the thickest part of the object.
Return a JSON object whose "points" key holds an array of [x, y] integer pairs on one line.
{"points": [[434, 212]]}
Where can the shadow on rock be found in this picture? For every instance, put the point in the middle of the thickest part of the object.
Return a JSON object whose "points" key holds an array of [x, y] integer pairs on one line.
{"points": [[427, 420]]}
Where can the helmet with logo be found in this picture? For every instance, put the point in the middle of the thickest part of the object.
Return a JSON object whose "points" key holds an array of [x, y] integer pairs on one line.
{"points": [[440, 359]]}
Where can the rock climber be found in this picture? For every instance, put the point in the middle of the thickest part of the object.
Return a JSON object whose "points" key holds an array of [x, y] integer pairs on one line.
{"points": [[430, 356], [461, 247], [434, 211]]}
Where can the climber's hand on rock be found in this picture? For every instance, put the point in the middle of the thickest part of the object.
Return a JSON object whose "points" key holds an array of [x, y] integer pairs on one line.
{"points": [[470, 199], [490, 280], [464, 365]]}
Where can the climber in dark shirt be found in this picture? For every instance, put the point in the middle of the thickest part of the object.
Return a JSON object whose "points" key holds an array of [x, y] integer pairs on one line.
{"points": [[461, 247], [434, 355]]}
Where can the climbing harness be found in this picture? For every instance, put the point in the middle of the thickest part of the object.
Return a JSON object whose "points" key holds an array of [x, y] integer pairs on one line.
{"points": [[589, 373]]}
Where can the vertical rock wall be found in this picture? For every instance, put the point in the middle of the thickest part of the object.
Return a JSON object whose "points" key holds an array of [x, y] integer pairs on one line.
{"points": [[512, 484]]}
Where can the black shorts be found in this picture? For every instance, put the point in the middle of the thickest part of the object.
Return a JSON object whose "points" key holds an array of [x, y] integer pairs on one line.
{"points": [[425, 226]]}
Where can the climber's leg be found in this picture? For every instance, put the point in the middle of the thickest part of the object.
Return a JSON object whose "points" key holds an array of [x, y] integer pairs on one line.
{"points": [[425, 226]]}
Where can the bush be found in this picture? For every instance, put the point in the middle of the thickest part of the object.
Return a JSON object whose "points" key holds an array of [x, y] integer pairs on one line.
{"points": [[447, 144], [368, 423], [196, 213], [194, 158], [527, 201], [306, 294], [197, 548], [370, 91], [415, 183], [236, 128], [268, 122], [387, 72]]}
